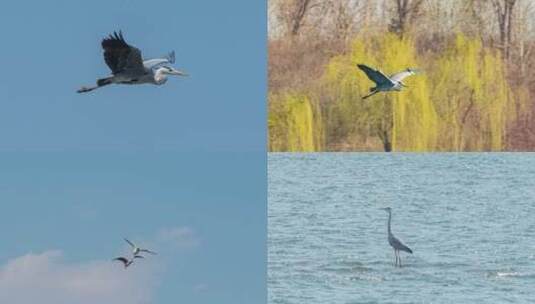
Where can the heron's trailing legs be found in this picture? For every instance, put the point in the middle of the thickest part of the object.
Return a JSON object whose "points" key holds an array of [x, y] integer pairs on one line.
{"points": [[100, 83], [371, 94], [86, 89]]}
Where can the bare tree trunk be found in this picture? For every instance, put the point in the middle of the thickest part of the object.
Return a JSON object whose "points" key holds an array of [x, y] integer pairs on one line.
{"points": [[387, 144], [405, 11], [298, 15], [384, 130], [504, 13]]}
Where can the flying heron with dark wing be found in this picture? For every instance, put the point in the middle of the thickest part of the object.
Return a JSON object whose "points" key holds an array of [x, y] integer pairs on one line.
{"points": [[128, 67], [126, 262], [395, 242], [385, 83], [136, 250]]}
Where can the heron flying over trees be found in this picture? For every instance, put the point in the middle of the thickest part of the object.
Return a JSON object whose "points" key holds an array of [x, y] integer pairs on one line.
{"points": [[393, 241], [128, 67], [385, 83]]}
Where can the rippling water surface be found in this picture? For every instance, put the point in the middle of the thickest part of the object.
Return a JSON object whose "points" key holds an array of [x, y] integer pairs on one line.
{"points": [[469, 218]]}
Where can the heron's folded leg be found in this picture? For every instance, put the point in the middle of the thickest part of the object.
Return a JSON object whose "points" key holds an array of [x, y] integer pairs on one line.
{"points": [[86, 89], [371, 94]]}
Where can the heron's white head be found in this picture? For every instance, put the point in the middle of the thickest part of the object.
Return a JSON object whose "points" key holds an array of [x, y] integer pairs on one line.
{"points": [[160, 76]]}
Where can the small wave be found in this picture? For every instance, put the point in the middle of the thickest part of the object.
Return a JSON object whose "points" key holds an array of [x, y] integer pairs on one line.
{"points": [[346, 267], [368, 278], [507, 274], [513, 274]]}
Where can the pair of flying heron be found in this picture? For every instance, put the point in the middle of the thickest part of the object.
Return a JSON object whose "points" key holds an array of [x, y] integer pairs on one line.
{"points": [[136, 254]]}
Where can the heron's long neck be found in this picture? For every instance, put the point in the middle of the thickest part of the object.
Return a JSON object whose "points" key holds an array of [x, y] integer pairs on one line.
{"points": [[389, 219]]}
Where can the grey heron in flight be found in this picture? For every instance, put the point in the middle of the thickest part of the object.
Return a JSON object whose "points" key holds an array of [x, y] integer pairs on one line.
{"points": [[136, 250], [393, 241], [128, 67], [126, 262], [385, 83]]}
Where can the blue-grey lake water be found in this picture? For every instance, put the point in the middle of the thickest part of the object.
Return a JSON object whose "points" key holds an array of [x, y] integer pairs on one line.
{"points": [[469, 218]]}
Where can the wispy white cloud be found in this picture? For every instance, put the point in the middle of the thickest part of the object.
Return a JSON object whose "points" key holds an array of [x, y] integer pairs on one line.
{"points": [[46, 278]]}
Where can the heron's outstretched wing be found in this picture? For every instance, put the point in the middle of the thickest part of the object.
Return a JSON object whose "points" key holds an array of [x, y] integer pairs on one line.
{"points": [[147, 251], [130, 243], [119, 55], [156, 62], [402, 75], [121, 259], [375, 75]]}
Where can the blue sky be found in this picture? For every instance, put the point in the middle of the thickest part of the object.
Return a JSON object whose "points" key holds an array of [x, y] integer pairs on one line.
{"points": [[180, 168], [51, 50]]}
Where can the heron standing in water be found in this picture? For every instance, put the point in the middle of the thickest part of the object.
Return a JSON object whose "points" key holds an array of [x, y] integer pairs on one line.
{"points": [[128, 67], [393, 241], [385, 83]]}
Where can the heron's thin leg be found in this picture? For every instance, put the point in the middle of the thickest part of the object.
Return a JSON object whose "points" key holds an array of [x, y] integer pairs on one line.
{"points": [[371, 94], [87, 89], [400, 262]]}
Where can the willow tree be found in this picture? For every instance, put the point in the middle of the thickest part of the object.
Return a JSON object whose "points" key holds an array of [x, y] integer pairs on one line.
{"points": [[472, 97], [294, 123]]}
